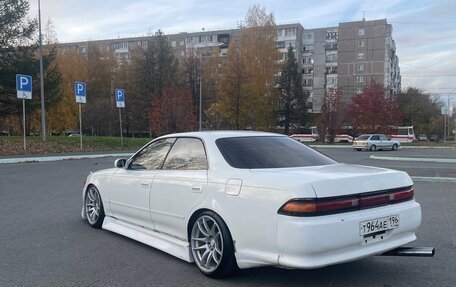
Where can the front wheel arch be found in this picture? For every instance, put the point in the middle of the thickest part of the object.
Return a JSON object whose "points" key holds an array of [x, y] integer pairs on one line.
{"points": [[100, 218]]}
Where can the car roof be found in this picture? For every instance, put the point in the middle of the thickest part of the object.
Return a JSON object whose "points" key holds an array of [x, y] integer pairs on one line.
{"points": [[373, 135], [214, 135]]}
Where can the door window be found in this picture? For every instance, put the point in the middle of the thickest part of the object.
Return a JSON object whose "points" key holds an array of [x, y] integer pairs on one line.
{"points": [[187, 154], [375, 138], [153, 155]]}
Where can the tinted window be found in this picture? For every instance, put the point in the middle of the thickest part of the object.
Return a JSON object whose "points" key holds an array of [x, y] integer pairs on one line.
{"points": [[187, 153], [363, 137], [374, 138], [269, 152], [383, 138], [152, 156]]}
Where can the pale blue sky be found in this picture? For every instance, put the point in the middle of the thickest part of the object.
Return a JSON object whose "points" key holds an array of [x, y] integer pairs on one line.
{"points": [[424, 31]]}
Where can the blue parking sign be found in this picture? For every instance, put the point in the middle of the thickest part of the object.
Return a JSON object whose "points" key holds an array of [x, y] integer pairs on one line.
{"points": [[24, 86], [120, 98], [80, 92]]}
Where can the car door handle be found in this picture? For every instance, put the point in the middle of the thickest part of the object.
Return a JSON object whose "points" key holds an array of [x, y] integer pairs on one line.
{"points": [[197, 188], [145, 184]]}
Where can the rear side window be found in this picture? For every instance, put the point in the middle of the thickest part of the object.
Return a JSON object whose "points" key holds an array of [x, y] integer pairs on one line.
{"points": [[269, 152], [187, 154], [375, 138]]}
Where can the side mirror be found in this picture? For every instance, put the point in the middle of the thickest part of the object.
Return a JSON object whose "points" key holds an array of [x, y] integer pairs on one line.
{"points": [[120, 162]]}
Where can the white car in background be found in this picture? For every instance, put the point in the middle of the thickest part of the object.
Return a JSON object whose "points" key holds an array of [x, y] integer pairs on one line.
{"points": [[375, 142], [228, 200]]}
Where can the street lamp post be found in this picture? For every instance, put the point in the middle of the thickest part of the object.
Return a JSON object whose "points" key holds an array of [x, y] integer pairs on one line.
{"points": [[43, 114], [200, 91]]}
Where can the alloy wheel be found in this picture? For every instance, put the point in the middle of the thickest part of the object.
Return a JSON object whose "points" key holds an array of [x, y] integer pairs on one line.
{"points": [[207, 243], [92, 205]]}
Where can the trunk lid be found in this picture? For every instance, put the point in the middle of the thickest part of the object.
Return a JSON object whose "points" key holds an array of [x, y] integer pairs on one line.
{"points": [[344, 179]]}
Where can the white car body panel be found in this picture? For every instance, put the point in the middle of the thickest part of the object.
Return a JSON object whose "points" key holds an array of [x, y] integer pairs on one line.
{"points": [[174, 195], [129, 196], [152, 238], [343, 179], [248, 201]]}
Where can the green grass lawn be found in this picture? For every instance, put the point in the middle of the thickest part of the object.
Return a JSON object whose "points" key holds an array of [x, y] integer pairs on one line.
{"points": [[13, 145]]}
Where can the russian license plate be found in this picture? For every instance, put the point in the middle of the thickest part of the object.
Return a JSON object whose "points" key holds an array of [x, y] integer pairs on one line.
{"points": [[379, 224]]}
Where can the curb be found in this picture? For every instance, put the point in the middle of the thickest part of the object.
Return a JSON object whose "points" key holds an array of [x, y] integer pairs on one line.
{"points": [[64, 157], [419, 159], [434, 179]]}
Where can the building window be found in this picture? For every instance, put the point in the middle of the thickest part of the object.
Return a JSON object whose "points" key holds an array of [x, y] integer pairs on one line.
{"points": [[307, 61], [331, 70], [333, 81], [182, 53], [309, 36], [360, 67], [361, 32], [308, 82], [173, 44], [360, 43], [182, 43], [360, 79], [359, 90], [290, 31], [308, 71], [332, 35], [360, 56], [290, 44]]}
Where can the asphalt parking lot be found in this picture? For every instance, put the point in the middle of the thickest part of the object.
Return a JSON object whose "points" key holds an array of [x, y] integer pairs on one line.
{"points": [[44, 241]]}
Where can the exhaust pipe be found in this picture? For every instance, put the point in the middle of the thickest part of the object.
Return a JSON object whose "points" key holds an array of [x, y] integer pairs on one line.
{"points": [[411, 251]]}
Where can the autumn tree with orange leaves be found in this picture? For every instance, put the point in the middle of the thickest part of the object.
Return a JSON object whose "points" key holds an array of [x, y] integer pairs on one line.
{"points": [[374, 111]]}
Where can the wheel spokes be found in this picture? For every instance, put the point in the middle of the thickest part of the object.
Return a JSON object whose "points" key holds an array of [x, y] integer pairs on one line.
{"points": [[207, 243]]}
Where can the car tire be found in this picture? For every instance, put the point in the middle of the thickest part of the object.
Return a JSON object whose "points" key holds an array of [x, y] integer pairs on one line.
{"points": [[394, 147], [359, 149], [212, 246], [93, 207], [373, 148]]}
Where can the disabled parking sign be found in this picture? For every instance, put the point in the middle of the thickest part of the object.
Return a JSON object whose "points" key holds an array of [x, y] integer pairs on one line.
{"points": [[80, 92], [24, 86], [120, 98]]}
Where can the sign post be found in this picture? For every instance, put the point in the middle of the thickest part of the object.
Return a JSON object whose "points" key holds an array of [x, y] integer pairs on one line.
{"points": [[80, 93], [24, 91], [120, 103]]}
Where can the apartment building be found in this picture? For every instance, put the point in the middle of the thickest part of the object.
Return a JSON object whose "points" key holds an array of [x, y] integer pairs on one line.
{"points": [[347, 56]]}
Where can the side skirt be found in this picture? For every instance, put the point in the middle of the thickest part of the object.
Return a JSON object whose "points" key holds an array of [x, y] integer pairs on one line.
{"points": [[168, 244]]}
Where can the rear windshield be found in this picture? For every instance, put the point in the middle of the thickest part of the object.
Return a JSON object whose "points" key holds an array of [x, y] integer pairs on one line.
{"points": [[269, 152], [363, 137]]}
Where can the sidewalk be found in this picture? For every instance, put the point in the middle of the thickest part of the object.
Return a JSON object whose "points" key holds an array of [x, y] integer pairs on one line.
{"points": [[43, 158]]}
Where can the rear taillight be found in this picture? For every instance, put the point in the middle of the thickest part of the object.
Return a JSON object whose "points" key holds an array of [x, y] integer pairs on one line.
{"points": [[324, 206], [84, 183]]}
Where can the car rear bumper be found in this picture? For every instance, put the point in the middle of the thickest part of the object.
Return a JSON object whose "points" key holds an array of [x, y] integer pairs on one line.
{"points": [[312, 242]]}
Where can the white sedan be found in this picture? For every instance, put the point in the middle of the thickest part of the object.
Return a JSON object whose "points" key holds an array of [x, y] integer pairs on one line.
{"points": [[228, 200]]}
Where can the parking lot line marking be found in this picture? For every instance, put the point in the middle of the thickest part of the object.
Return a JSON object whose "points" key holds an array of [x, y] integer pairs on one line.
{"points": [[434, 179], [421, 159], [64, 157]]}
